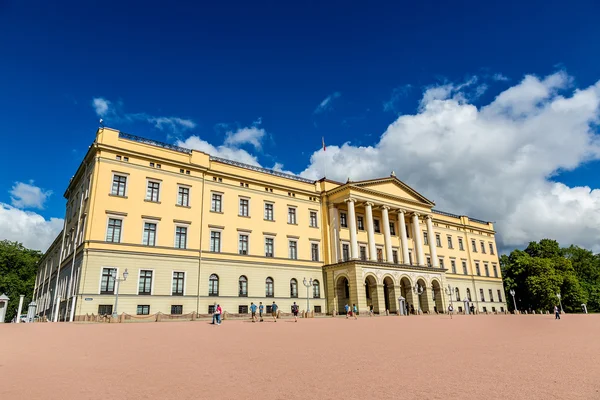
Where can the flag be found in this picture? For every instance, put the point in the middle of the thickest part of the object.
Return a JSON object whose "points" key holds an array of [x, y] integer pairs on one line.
{"points": [[323, 140]]}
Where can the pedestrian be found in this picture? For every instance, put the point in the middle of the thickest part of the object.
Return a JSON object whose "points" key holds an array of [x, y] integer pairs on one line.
{"points": [[347, 308], [274, 312], [355, 311], [371, 310], [261, 308], [218, 312], [556, 312], [407, 309], [253, 310], [214, 317], [412, 309], [295, 311]]}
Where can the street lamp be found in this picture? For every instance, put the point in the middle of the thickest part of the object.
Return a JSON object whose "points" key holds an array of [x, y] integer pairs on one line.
{"points": [[512, 293], [449, 293], [560, 302], [308, 284], [418, 289], [118, 282]]}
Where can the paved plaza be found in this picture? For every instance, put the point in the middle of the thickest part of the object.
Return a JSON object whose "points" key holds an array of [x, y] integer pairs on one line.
{"points": [[426, 357]]}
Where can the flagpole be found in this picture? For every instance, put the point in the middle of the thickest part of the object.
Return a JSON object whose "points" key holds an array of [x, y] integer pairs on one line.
{"points": [[324, 149]]}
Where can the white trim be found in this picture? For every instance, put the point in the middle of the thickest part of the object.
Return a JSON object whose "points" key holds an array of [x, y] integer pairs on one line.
{"points": [[154, 180], [289, 248], [108, 218], [100, 280], [240, 198], [247, 234], [172, 280], [137, 288], [189, 188], [211, 230], [123, 174], [317, 219], [222, 195], [187, 233], [149, 221]]}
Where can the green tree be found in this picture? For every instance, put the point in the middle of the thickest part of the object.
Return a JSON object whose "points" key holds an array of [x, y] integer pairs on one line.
{"points": [[18, 267]]}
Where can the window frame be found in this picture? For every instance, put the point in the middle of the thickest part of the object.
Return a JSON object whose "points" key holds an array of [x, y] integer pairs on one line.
{"points": [[312, 252], [241, 242], [316, 218], [293, 288], [292, 216], [316, 289], [269, 284], [244, 207], [112, 182], [174, 279], [343, 220], [243, 293], [145, 278], [214, 202], [269, 211], [100, 291], [214, 240], [211, 285], [185, 196], [272, 244], [144, 307], [293, 249], [150, 181], [116, 218], [144, 242], [175, 242]]}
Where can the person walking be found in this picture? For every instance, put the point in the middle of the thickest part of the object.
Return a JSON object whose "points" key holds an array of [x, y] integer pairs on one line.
{"points": [[274, 308], [355, 311], [347, 308], [371, 310], [218, 312], [214, 316], [261, 309], [295, 311], [253, 310], [556, 312]]}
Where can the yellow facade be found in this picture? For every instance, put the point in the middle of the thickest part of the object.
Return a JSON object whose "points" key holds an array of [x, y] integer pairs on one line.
{"points": [[194, 230]]}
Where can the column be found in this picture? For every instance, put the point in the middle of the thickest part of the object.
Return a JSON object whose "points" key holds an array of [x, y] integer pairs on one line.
{"points": [[370, 231], [352, 227], [403, 237], [334, 229], [386, 234], [379, 307], [432, 243], [418, 240]]}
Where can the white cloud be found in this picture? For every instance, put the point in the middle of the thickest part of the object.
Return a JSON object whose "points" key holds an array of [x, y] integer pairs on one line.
{"points": [[231, 153], [325, 105], [101, 106], [251, 135], [27, 195], [398, 93], [494, 162], [499, 77], [29, 228]]}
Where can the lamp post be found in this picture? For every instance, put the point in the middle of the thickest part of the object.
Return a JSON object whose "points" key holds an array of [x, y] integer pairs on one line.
{"points": [[560, 302], [418, 290], [512, 293], [308, 284], [449, 293], [118, 282]]}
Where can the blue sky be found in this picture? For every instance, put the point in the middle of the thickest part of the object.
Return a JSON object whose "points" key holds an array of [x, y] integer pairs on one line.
{"points": [[291, 72]]}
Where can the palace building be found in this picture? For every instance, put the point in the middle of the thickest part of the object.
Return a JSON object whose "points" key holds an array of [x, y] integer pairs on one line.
{"points": [[192, 230]]}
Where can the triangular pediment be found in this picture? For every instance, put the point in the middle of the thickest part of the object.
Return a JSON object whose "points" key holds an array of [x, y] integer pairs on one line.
{"points": [[394, 187]]}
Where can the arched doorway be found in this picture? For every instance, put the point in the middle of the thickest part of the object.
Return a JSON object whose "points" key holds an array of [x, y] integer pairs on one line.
{"points": [[438, 297], [406, 290], [343, 294], [371, 294], [389, 294], [423, 296]]}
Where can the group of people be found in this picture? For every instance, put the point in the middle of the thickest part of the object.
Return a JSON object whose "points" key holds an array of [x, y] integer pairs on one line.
{"points": [[253, 309]]}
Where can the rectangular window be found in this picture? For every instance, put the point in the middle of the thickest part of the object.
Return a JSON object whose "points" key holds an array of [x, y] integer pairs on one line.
{"points": [[244, 207], [345, 252], [482, 246], [105, 309], [392, 229], [269, 308], [107, 283], [481, 294], [269, 211], [464, 265], [215, 241], [292, 215], [438, 240], [317, 309], [495, 271], [313, 219], [243, 309], [243, 244], [425, 238], [177, 310], [152, 191], [491, 248], [314, 251], [113, 232], [293, 249], [183, 196], [410, 258], [407, 231], [363, 253], [487, 269], [453, 265], [376, 225], [450, 245], [149, 238], [395, 256], [360, 222], [477, 270], [178, 279], [145, 286], [269, 247], [429, 262], [180, 237], [211, 308], [441, 261], [119, 185], [143, 310], [500, 295], [474, 246], [491, 295], [216, 204], [460, 244], [343, 220], [380, 255]]}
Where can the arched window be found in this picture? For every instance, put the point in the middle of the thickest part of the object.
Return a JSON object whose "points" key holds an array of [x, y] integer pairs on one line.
{"points": [[243, 286], [269, 292], [213, 285], [294, 288], [457, 294], [316, 289], [346, 288], [468, 294]]}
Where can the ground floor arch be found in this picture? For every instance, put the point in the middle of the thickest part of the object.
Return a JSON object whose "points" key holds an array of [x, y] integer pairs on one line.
{"points": [[437, 296], [389, 294], [342, 293], [406, 291]]}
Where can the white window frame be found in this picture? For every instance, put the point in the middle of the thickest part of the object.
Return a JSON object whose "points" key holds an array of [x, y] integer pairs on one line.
{"points": [[290, 249], [240, 198], [316, 218], [295, 214], [379, 247], [151, 180], [212, 193], [149, 221], [265, 237], [342, 251], [112, 179], [272, 210], [114, 216], [187, 235], [172, 280], [247, 234], [100, 279], [211, 230], [189, 188], [137, 287]]}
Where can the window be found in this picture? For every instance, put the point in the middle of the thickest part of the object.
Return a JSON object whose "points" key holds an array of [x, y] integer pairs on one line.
{"points": [[177, 310], [380, 255], [105, 309], [360, 223], [481, 295], [269, 292], [183, 196], [149, 238], [317, 309], [269, 211], [410, 258], [407, 231], [145, 285], [501, 309], [500, 295], [107, 283], [268, 247], [213, 285], [243, 309], [457, 292], [453, 265], [482, 247], [491, 248], [269, 309], [495, 271], [487, 269], [474, 246], [395, 256], [211, 308], [491, 295], [178, 278], [313, 219], [113, 232], [314, 251], [425, 238], [143, 310], [464, 265], [438, 241], [181, 237], [392, 229], [376, 226], [460, 244], [119, 185], [215, 241], [293, 249], [429, 262], [441, 261], [316, 289], [450, 246], [363, 253], [477, 270], [243, 244], [468, 294], [216, 204], [244, 203], [243, 286], [152, 191], [292, 215], [345, 252], [343, 220], [294, 288]]}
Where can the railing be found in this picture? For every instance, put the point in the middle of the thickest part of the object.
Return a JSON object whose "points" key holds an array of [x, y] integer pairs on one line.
{"points": [[154, 143], [479, 221], [260, 169], [447, 214]]}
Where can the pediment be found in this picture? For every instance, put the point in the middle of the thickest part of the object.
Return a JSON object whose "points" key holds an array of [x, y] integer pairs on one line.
{"points": [[392, 186]]}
